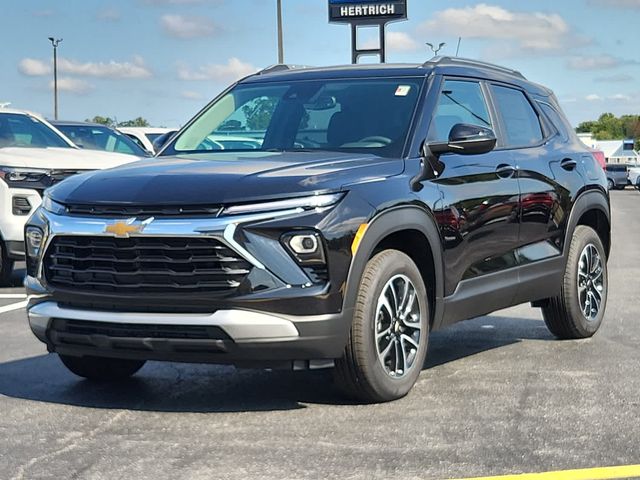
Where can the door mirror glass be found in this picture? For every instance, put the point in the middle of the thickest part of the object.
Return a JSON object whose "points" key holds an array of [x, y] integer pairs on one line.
{"points": [[466, 139]]}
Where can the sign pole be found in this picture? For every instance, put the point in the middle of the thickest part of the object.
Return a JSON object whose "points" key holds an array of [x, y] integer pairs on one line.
{"points": [[358, 13]]}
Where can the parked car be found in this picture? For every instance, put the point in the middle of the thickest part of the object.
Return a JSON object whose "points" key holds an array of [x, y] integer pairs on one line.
{"points": [[94, 136], [383, 203], [34, 156], [617, 176], [634, 174], [145, 136]]}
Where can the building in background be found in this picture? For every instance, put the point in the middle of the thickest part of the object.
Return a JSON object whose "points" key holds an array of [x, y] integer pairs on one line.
{"points": [[615, 151]]}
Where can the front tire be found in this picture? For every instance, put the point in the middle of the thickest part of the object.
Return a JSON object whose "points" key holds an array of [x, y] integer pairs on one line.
{"points": [[101, 368], [390, 330], [610, 184], [579, 309]]}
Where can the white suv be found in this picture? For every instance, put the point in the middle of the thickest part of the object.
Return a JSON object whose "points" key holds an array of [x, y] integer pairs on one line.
{"points": [[33, 156]]}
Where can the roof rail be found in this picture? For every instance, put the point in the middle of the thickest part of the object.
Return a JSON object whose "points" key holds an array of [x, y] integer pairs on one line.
{"points": [[279, 67], [473, 63]]}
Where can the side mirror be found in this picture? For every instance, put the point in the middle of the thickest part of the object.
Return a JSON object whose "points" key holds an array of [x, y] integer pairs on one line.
{"points": [[465, 139]]}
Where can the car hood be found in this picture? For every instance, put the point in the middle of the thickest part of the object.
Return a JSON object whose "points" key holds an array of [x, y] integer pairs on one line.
{"points": [[223, 178], [61, 158]]}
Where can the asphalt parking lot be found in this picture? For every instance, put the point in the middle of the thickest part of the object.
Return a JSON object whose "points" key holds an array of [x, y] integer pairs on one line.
{"points": [[499, 396]]}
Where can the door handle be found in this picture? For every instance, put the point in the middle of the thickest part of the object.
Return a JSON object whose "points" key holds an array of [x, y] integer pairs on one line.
{"points": [[505, 170], [569, 164]]}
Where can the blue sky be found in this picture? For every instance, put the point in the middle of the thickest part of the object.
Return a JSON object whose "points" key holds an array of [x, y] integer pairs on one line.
{"points": [[164, 59]]}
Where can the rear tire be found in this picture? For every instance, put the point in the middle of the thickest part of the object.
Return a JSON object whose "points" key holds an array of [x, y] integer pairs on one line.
{"points": [[101, 368], [388, 339], [579, 309], [6, 266]]}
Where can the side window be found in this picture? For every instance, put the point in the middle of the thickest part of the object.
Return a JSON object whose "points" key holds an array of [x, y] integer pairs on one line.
{"points": [[521, 123], [555, 118], [459, 102]]}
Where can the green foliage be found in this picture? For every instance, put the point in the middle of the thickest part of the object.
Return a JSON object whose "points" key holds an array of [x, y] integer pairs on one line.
{"points": [[136, 122], [610, 127], [259, 111], [101, 120]]}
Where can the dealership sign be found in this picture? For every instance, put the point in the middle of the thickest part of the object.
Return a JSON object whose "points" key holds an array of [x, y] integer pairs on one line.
{"points": [[367, 11]]}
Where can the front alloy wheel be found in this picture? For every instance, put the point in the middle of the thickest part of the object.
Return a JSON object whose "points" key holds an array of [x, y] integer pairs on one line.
{"points": [[398, 328], [388, 338]]}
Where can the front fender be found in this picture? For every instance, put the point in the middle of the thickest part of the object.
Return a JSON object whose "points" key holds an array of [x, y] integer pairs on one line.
{"points": [[388, 222]]}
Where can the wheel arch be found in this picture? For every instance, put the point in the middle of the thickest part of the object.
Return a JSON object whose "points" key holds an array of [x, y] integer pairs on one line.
{"points": [[408, 229], [591, 209]]}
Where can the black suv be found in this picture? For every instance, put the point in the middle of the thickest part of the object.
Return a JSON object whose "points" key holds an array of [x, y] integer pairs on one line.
{"points": [[316, 217]]}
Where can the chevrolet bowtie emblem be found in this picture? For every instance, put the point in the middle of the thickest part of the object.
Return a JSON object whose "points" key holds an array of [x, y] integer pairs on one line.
{"points": [[125, 229]]}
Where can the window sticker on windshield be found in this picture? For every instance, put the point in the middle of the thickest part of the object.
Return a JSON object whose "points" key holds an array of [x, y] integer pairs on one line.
{"points": [[403, 90]]}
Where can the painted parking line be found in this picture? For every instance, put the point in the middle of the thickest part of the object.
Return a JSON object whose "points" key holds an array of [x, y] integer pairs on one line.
{"points": [[13, 295], [13, 306], [600, 473]]}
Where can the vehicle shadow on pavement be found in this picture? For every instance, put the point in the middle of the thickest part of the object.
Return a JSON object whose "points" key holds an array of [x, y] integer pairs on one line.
{"points": [[173, 387]]}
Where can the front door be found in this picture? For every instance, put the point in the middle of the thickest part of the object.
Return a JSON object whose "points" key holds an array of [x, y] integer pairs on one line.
{"points": [[478, 212]]}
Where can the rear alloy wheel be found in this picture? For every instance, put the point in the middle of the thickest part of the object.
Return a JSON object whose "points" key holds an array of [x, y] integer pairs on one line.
{"points": [[101, 368], [388, 339], [6, 266], [578, 311], [610, 184]]}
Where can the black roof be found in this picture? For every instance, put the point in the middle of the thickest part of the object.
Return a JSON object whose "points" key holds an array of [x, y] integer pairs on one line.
{"points": [[454, 66]]}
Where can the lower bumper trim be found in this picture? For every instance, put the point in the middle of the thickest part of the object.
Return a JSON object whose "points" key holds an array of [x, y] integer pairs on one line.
{"points": [[242, 326]]}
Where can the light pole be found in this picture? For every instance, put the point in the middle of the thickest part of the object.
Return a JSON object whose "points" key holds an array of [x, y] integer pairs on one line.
{"points": [[55, 43], [434, 49], [280, 35]]}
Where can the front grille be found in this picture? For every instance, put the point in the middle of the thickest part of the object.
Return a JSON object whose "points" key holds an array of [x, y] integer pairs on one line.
{"points": [[130, 330], [141, 211], [143, 265]]}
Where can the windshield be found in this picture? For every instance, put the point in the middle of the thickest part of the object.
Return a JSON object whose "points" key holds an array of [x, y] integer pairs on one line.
{"points": [[371, 115], [18, 130], [93, 137]]}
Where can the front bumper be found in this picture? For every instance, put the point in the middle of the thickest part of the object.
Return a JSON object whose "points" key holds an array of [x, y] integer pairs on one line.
{"points": [[239, 337], [277, 318], [12, 226]]}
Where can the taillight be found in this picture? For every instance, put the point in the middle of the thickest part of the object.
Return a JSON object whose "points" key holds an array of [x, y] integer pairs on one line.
{"points": [[599, 156]]}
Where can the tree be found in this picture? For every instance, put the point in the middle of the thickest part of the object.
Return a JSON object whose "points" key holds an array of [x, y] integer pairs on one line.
{"points": [[610, 127], [101, 120], [136, 122]]}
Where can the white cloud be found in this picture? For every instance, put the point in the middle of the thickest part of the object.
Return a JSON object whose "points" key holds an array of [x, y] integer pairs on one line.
{"points": [[111, 69], [619, 78], [178, 2], [593, 98], [232, 70], [597, 62], [73, 85], [182, 26], [401, 42], [47, 12], [190, 95], [115, 70], [532, 31], [32, 67], [109, 15], [619, 97], [616, 3]]}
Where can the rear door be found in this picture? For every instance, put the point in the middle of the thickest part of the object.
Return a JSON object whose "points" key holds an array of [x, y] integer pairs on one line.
{"points": [[549, 167]]}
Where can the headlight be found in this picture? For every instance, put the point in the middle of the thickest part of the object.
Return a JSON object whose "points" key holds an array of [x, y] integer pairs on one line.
{"points": [[18, 177], [302, 203], [33, 238], [52, 206]]}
